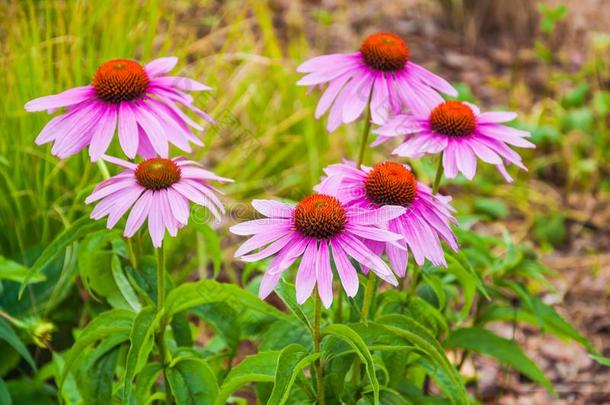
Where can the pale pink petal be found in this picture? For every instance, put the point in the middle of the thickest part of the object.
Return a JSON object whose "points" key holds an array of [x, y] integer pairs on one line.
{"points": [[306, 274], [128, 130], [160, 66], [270, 208], [138, 214], [324, 275]]}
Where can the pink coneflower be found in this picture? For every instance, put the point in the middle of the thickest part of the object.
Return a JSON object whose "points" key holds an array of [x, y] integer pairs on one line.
{"points": [[158, 189], [140, 99], [318, 227], [380, 72], [462, 133], [425, 221]]}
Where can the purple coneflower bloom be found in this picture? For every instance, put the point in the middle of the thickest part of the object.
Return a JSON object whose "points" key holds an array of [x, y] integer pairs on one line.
{"points": [[158, 189], [319, 229], [462, 133], [380, 73], [140, 99], [425, 221]]}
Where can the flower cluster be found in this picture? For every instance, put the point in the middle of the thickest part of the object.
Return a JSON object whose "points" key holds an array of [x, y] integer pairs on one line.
{"points": [[365, 213], [142, 105]]}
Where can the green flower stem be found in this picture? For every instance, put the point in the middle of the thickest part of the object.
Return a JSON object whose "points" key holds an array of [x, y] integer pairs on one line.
{"points": [[439, 174], [160, 336], [365, 137], [316, 346], [369, 291]]}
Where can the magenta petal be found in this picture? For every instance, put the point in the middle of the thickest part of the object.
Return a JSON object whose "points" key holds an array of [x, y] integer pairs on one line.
{"points": [[271, 249], [103, 134], [347, 273], [306, 274], [259, 226], [375, 216], [268, 283], [65, 99], [128, 130], [261, 239], [324, 275]]}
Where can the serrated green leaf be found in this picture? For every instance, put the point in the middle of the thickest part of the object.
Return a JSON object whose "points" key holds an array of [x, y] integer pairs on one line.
{"points": [[141, 344], [73, 233], [291, 362], [352, 338], [260, 367], [192, 382], [507, 351], [8, 335]]}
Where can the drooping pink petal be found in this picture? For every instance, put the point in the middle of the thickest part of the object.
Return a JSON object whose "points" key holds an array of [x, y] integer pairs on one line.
{"points": [[103, 134], [345, 269], [128, 130], [65, 99], [138, 214], [324, 275], [306, 274]]}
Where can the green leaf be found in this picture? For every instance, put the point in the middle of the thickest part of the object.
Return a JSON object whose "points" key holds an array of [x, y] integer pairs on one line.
{"points": [[507, 351], [115, 324], [291, 362], [260, 367], [287, 293], [224, 320], [7, 334], [145, 381], [123, 284], [190, 295], [73, 233], [91, 252], [13, 271], [348, 335], [5, 396], [141, 344], [181, 330], [69, 390], [444, 373], [99, 372], [604, 361], [192, 381]]}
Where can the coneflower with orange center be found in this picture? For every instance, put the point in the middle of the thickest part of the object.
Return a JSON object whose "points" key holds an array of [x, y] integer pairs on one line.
{"points": [[424, 223], [319, 229], [158, 190], [462, 133], [380, 75], [141, 101]]}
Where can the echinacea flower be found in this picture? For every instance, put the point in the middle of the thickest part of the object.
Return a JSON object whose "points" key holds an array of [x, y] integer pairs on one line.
{"points": [[424, 223], [319, 229], [158, 189], [462, 133], [141, 100], [380, 73]]}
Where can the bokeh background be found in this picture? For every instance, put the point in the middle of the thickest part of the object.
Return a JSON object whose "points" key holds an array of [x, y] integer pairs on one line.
{"points": [[549, 60]]}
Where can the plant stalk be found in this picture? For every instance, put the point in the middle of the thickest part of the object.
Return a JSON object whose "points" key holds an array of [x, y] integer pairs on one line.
{"points": [[365, 137], [160, 337], [439, 174], [316, 347]]}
